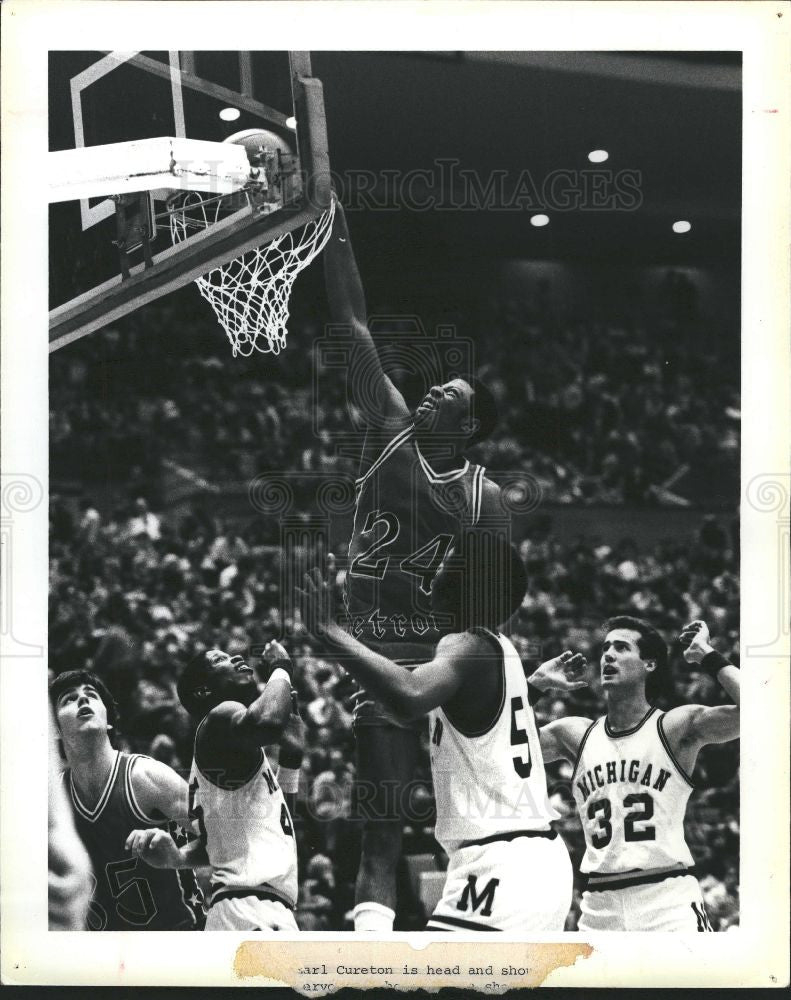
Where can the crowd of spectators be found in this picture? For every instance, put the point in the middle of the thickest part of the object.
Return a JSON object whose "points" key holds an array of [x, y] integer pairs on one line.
{"points": [[135, 592], [597, 411], [604, 412]]}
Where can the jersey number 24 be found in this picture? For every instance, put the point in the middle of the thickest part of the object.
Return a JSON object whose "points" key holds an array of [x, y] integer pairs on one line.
{"points": [[422, 563]]}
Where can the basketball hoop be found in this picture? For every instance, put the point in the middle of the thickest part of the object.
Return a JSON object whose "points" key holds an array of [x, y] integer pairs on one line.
{"points": [[250, 294]]}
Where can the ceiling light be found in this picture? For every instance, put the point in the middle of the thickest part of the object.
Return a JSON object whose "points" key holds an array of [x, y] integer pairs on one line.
{"points": [[291, 122], [230, 114], [682, 226], [598, 155], [539, 220]]}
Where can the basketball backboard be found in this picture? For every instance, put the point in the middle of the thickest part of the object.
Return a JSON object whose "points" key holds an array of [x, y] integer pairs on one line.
{"points": [[96, 99]]}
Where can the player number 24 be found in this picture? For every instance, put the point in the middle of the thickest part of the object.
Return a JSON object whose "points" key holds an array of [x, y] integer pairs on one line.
{"points": [[422, 563]]}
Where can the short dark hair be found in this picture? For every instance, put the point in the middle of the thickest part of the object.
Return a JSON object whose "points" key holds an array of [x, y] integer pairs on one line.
{"points": [[483, 408], [652, 647], [74, 678], [196, 674], [493, 578]]}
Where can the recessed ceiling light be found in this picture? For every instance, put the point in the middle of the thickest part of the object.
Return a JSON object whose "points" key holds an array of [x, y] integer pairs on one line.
{"points": [[291, 122], [598, 155], [539, 220], [230, 114], [682, 226]]}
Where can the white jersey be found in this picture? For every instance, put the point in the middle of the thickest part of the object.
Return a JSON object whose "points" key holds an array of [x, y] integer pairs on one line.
{"points": [[248, 832], [631, 795], [491, 782]]}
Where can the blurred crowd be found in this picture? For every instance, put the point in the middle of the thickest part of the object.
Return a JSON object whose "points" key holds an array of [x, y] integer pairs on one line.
{"points": [[135, 592], [604, 409], [598, 411], [605, 413]]}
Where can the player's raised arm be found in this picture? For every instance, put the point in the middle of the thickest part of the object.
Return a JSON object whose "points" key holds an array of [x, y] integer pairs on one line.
{"points": [[372, 388], [264, 720], [697, 649], [695, 726], [410, 694], [560, 739], [292, 746]]}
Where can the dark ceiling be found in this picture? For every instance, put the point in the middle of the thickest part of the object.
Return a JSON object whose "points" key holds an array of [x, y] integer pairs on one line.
{"points": [[671, 124], [674, 121]]}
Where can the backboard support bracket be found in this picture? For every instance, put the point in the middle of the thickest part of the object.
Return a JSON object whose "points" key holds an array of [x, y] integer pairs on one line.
{"points": [[135, 229]]}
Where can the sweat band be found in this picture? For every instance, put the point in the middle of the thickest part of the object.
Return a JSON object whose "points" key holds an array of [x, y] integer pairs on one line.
{"points": [[713, 662], [288, 779]]}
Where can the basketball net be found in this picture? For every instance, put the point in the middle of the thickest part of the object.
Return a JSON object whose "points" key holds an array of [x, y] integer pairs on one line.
{"points": [[250, 294]]}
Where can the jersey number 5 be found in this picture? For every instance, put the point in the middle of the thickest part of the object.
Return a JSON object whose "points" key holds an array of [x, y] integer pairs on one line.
{"points": [[519, 738], [127, 888]]}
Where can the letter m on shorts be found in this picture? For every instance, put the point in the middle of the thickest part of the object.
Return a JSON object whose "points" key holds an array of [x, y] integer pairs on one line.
{"points": [[470, 900]]}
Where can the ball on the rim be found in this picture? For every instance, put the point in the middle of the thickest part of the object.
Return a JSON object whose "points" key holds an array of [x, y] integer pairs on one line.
{"points": [[259, 142]]}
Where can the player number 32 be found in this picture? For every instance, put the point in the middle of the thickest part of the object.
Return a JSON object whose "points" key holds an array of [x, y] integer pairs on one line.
{"points": [[640, 808]]}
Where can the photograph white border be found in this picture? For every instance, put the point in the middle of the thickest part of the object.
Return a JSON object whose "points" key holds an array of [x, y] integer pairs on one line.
{"points": [[754, 954]]}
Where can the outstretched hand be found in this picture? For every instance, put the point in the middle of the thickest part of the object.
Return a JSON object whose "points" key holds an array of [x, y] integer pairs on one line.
{"points": [[315, 600], [276, 655], [562, 673], [694, 640], [156, 847]]}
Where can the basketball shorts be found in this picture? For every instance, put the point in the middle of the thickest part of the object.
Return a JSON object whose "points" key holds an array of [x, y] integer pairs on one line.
{"points": [[248, 913], [674, 904], [524, 884]]}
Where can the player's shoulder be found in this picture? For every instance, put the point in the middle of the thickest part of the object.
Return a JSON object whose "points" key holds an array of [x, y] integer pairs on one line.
{"points": [[221, 740], [491, 500], [145, 770], [678, 724], [459, 641], [572, 730], [219, 720], [468, 650]]}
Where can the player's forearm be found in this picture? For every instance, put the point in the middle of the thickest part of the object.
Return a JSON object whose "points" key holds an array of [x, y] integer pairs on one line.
{"points": [[344, 286], [192, 855], [269, 713], [388, 681], [717, 666], [728, 678]]}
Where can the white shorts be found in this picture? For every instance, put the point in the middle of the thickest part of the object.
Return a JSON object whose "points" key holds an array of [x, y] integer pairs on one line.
{"points": [[516, 885], [248, 913], [674, 904]]}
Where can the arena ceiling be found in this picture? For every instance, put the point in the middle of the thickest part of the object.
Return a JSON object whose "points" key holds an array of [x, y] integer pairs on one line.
{"points": [[513, 120]]}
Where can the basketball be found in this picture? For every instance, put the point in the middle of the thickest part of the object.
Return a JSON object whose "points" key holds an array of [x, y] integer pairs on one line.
{"points": [[259, 144]]}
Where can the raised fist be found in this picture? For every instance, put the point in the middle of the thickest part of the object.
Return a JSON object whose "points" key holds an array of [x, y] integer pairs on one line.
{"points": [[694, 640]]}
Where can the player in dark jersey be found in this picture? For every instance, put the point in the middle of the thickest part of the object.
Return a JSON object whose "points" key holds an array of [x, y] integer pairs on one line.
{"points": [[112, 793], [414, 492]]}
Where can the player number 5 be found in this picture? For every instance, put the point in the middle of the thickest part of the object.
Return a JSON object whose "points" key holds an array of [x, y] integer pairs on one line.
{"points": [[128, 888], [519, 738]]}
